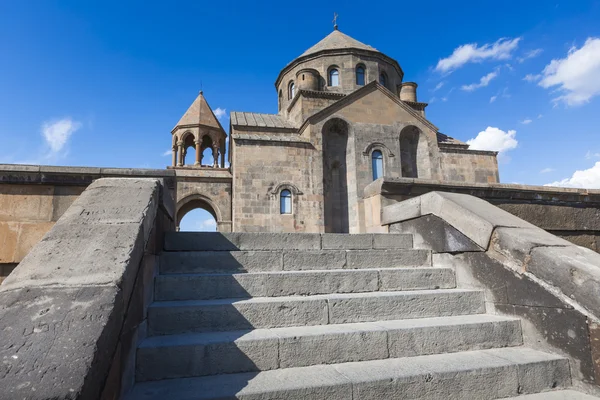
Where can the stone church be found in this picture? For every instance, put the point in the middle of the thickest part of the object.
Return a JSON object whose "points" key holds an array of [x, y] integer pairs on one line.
{"points": [[346, 117]]}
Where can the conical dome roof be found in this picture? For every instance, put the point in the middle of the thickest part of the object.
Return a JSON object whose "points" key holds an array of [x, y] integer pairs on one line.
{"points": [[199, 113], [337, 40]]}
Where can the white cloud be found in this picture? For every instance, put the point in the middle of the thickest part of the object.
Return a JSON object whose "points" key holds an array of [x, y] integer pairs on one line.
{"points": [[167, 153], [220, 112], [57, 132], [577, 75], [484, 81], [532, 77], [547, 170], [493, 99], [467, 53], [588, 178], [207, 224], [590, 155], [530, 54], [494, 139], [526, 121], [540, 116], [439, 86]]}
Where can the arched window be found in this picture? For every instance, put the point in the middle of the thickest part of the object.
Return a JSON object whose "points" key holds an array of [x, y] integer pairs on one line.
{"points": [[334, 77], [291, 90], [377, 164], [383, 79], [285, 202], [360, 75]]}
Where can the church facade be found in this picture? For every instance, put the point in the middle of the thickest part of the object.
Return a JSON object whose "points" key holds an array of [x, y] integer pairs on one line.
{"points": [[346, 117]]}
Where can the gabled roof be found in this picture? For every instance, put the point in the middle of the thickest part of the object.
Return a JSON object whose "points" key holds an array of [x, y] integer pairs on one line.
{"points": [[337, 40], [374, 85], [259, 120], [199, 113], [450, 141]]}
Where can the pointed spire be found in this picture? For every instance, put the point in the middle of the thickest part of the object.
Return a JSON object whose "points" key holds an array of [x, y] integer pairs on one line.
{"points": [[200, 113]]}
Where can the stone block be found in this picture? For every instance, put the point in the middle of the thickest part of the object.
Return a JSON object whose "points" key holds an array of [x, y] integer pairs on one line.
{"points": [[392, 241], [330, 345], [223, 315], [341, 241], [58, 342], [517, 243], [574, 270], [416, 279], [26, 202], [366, 307], [312, 259], [387, 258], [278, 241], [9, 238], [220, 262], [403, 211], [30, 234]]}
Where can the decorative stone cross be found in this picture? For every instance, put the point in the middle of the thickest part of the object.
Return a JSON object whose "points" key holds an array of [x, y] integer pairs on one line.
{"points": [[335, 20]]}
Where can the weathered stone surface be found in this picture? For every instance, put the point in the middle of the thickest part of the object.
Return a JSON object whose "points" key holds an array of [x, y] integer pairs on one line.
{"points": [[67, 320], [335, 241], [387, 258], [57, 343], [392, 241], [473, 217], [556, 395], [220, 261], [517, 243], [484, 374], [575, 270], [278, 241], [310, 260], [416, 278], [432, 232], [222, 315], [344, 308]]}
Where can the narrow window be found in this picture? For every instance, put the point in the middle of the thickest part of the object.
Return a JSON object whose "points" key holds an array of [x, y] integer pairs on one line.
{"points": [[360, 75], [292, 91], [377, 163], [285, 204], [383, 79], [280, 98], [334, 77]]}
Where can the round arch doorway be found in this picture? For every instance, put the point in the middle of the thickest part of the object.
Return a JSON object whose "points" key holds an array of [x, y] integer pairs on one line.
{"points": [[197, 213]]}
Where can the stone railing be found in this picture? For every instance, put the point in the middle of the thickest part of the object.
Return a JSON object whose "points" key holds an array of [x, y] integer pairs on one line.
{"points": [[572, 214], [551, 283], [73, 311]]}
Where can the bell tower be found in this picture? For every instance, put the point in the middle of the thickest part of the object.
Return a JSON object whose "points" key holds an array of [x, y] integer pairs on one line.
{"points": [[199, 129]]}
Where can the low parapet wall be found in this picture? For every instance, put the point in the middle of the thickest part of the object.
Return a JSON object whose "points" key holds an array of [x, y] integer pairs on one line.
{"points": [[573, 214], [73, 311], [33, 198], [549, 282]]}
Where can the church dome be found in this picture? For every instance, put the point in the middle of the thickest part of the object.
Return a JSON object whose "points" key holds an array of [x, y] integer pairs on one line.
{"points": [[337, 40]]}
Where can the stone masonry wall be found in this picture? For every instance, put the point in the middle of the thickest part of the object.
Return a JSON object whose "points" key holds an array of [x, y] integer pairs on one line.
{"points": [[459, 165], [260, 168]]}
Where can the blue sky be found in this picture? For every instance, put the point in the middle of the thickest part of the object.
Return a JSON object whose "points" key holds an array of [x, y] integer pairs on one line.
{"points": [[102, 83]]}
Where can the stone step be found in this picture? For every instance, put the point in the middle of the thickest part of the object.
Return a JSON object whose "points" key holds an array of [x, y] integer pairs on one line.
{"points": [[556, 395], [178, 356], [172, 317], [216, 241], [289, 260], [482, 374], [299, 283]]}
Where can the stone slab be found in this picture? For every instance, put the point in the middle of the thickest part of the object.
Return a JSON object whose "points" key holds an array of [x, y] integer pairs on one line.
{"points": [[556, 395], [220, 262], [387, 258], [467, 375], [394, 279], [341, 241], [314, 259], [57, 343]]}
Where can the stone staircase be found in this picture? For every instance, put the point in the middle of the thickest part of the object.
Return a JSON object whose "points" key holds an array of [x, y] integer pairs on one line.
{"points": [[333, 316]]}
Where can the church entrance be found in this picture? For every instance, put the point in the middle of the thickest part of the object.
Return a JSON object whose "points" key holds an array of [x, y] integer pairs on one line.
{"points": [[335, 172]]}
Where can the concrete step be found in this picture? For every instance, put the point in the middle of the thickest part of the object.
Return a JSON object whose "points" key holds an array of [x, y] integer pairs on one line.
{"points": [[178, 356], [483, 374], [172, 317], [556, 395], [292, 283], [216, 241], [289, 260]]}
